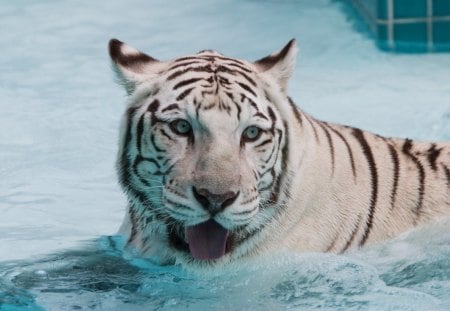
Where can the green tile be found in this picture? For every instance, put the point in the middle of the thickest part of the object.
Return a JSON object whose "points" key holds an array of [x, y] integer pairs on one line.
{"points": [[415, 32], [382, 33], [382, 38], [384, 46], [370, 6], [441, 7], [382, 9], [441, 32], [411, 47], [410, 8]]}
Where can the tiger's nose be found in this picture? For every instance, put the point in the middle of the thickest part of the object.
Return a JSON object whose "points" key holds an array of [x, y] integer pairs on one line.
{"points": [[213, 202]]}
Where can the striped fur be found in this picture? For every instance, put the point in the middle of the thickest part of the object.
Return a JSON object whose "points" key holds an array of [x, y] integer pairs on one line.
{"points": [[298, 182]]}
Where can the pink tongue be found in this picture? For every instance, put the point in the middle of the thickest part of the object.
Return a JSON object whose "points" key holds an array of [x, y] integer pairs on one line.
{"points": [[207, 240]]}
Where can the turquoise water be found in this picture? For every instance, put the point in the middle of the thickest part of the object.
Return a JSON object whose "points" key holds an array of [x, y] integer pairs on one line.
{"points": [[410, 273], [59, 119]]}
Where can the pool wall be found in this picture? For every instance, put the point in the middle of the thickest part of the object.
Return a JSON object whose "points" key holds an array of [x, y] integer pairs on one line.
{"points": [[408, 25]]}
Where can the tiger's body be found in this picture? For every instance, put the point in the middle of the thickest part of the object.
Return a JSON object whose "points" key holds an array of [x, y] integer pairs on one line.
{"points": [[218, 164]]}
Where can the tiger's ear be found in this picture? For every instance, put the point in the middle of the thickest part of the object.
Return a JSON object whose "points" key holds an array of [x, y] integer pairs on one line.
{"points": [[280, 65], [131, 66]]}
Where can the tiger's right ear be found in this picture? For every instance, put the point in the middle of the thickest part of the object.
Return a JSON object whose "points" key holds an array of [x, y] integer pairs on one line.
{"points": [[132, 67]]}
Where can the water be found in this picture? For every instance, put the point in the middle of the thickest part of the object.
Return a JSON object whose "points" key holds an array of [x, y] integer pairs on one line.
{"points": [[410, 273], [60, 111]]}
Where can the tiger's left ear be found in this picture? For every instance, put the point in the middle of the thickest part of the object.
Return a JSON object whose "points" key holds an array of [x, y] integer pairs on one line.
{"points": [[132, 67], [280, 65]]}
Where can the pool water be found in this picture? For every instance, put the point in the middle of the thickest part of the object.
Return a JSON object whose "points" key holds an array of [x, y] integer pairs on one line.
{"points": [[60, 204]]}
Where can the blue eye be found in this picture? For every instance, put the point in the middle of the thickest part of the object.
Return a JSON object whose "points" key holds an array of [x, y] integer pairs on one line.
{"points": [[251, 133], [181, 127]]}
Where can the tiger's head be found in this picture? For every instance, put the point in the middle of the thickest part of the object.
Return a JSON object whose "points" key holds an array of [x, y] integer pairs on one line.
{"points": [[203, 146]]}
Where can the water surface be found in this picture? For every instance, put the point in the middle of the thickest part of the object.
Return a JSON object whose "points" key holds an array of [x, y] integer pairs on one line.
{"points": [[59, 119]]}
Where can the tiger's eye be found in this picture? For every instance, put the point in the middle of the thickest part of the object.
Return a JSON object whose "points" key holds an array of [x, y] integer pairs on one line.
{"points": [[251, 133], [181, 127]]}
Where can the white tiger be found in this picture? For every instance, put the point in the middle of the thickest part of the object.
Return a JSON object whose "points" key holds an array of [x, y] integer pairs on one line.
{"points": [[219, 164]]}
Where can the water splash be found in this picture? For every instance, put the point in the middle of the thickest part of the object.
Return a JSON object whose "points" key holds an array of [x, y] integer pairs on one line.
{"points": [[409, 273]]}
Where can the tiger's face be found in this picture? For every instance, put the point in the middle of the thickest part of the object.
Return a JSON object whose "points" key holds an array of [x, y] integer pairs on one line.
{"points": [[201, 149]]}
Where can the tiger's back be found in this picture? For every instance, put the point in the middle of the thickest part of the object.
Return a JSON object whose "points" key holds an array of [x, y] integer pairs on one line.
{"points": [[218, 163], [376, 187]]}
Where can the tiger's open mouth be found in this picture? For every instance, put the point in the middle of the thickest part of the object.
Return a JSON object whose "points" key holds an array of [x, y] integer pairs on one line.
{"points": [[204, 241], [207, 240]]}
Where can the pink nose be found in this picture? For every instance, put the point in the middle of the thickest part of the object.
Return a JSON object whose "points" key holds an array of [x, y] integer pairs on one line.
{"points": [[213, 202]]}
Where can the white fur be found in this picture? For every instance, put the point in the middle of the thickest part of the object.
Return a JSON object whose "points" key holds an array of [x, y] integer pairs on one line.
{"points": [[323, 208]]}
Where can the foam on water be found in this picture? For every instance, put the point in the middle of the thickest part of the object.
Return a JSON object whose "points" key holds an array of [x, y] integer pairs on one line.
{"points": [[59, 119]]}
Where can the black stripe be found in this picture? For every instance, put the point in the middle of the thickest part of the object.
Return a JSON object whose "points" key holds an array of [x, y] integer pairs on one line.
{"points": [[246, 235], [272, 115], [139, 133], [224, 82], [296, 111], [247, 88], [238, 107], [262, 116], [276, 185], [447, 173], [230, 96], [171, 107], [236, 72], [264, 170], [349, 150], [407, 148], [266, 95], [330, 144], [204, 93], [186, 82], [157, 149], [251, 102], [183, 64], [134, 224], [240, 67], [270, 156], [274, 197], [267, 141], [396, 165], [165, 134], [152, 108], [181, 59], [314, 128], [212, 57], [176, 74], [352, 234], [433, 154], [184, 93], [247, 212], [138, 160], [252, 82], [359, 135], [124, 162], [164, 173], [331, 246], [210, 106]]}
